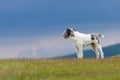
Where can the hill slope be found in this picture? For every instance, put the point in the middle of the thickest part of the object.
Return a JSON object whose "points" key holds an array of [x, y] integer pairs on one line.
{"points": [[108, 52], [60, 69]]}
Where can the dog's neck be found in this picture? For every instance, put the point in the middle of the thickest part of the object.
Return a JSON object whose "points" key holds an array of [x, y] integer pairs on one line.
{"points": [[77, 36]]}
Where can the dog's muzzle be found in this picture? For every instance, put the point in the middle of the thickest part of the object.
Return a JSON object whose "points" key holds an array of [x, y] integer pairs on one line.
{"points": [[65, 35]]}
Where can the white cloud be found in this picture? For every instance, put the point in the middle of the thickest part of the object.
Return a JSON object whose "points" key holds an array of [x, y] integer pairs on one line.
{"points": [[50, 47], [41, 47], [111, 37]]}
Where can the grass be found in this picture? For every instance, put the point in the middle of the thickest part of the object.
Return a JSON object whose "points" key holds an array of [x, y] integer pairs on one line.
{"points": [[60, 69]]}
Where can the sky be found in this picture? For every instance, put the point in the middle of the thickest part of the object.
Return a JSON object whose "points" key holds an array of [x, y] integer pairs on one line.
{"points": [[33, 28]]}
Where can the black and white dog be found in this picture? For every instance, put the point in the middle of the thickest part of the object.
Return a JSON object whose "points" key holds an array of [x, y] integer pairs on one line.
{"points": [[81, 40]]}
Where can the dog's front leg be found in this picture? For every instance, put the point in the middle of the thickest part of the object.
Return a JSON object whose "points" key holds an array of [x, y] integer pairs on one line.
{"points": [[79, 52]]}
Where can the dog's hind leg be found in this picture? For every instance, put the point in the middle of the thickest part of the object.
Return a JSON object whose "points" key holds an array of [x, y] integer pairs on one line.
{"points": [[99, 47], [93, 46]]}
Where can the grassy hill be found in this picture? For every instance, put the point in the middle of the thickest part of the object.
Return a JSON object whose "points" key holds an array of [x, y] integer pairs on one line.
{"points": [[60, 69]]}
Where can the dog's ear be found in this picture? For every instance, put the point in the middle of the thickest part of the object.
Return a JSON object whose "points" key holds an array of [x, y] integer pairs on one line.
{"points": [[68, 31]]}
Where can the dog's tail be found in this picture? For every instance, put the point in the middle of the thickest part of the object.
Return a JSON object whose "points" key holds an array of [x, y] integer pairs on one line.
{"points": [[101, 36]]}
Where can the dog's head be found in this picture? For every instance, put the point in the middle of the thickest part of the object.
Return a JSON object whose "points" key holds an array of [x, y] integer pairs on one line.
{"points": [[69, 32]]}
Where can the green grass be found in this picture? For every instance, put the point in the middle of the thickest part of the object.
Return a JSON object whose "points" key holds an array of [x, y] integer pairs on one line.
{"points": [[60, 69]]}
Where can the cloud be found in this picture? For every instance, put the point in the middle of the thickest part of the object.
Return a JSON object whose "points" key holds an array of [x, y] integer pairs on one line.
{"points": [[111, 37], [49, 47]]}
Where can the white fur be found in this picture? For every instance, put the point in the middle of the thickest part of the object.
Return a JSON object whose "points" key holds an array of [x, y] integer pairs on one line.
{"points": [[81, 40]]}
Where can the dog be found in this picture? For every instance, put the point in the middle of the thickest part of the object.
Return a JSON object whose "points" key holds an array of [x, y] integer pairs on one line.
{"points": [[81, 40]]}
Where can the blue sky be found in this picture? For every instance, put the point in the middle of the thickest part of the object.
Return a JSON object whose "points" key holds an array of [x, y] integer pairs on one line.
{"points": [[35, 26]]}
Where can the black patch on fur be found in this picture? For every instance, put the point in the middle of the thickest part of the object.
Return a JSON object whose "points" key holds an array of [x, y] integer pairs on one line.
{"points": [[95, 36], [68, 32], [92, 43], [92, 38]]}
